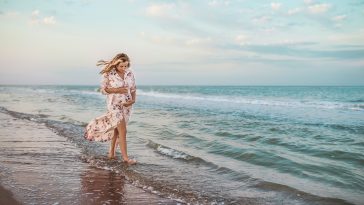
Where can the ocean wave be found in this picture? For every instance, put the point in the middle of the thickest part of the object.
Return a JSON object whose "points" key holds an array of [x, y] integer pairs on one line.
{"points": [[263, 102], [357, 101], [176, 154], [63, 90], [356, 129], [293, 193], [94, 92], [88, 92], [260, 184]]}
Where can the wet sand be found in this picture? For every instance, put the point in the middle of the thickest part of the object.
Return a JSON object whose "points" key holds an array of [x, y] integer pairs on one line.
{"points": [[6, 197], [39, 167]]}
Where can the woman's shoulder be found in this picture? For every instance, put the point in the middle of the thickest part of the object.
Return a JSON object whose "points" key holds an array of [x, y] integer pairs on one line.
{"points": [[130, 71]]}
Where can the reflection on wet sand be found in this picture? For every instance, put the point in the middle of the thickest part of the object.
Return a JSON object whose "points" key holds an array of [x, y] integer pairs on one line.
{"points": [[102, 186]]}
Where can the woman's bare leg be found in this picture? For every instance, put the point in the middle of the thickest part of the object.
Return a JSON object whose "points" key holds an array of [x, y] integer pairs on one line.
{"points": [[122, 139], [113, 144], [122, 142]]}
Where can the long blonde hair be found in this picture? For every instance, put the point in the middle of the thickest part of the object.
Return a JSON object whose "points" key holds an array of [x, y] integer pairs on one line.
{"points": [[108, 65]]}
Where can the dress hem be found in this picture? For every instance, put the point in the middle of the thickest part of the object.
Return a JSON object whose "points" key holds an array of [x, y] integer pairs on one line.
{"points": [[97, 139]]}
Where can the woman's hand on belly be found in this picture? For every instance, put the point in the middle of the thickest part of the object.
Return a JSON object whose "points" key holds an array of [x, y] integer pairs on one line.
{"points": [[119, 90], [129, 103], [123, 90]]}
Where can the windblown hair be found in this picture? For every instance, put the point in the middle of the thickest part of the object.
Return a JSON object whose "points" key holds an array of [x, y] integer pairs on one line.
{"points": [[109, 65]]}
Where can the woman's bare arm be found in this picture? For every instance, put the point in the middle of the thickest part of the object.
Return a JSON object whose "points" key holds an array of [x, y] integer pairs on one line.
{"points": [[133, 95], [120, 90]]}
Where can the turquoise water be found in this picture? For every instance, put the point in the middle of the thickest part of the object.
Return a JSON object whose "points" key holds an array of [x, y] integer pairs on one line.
{"points": [[261, 144]]}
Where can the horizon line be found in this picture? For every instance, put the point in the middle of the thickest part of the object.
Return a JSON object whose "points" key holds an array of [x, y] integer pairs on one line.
{"points": [[204, 85]]}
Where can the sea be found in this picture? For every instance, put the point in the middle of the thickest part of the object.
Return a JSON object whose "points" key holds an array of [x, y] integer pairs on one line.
{"points": [[219, 144]]}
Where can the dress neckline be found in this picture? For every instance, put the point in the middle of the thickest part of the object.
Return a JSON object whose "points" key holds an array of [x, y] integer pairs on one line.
{"points": [[125, 73], [117, 73]]}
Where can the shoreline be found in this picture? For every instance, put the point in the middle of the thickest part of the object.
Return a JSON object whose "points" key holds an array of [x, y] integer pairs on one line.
{"points": [[39, 166]]}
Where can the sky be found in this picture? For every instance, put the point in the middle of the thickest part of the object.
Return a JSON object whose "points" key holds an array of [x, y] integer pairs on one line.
{"points": [[201, 42]]}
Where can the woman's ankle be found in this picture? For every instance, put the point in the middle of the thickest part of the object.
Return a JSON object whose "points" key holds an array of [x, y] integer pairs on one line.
{"points": [[125, 159]]}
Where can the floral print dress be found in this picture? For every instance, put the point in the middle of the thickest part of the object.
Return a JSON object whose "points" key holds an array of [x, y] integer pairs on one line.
{"points": [[102, 127]]}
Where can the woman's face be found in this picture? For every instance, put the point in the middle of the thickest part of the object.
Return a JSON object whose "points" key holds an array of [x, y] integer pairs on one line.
{"points": [[122, 66]]}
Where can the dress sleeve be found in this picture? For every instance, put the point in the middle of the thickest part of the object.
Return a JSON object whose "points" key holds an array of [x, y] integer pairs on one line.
{"points": [[132, 82], [104, 83]]}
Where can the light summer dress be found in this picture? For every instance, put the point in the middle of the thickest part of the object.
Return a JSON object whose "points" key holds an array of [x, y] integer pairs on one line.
{"points": [[102, 127]]}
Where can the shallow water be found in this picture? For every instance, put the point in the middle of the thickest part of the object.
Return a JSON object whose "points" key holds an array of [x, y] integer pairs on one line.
{"points": [[40, 167], [258, 145]]}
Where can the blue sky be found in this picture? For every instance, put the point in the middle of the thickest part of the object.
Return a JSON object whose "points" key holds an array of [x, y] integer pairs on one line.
{"points": [[207, 42]]}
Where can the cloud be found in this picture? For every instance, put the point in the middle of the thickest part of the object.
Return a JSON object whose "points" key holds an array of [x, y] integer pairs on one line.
{"points": [[319, 8], [292, 50], [242, 39], [182, 19], [160, 10], [9, 13], [269, 30], [261, 20], [160, 39], [197, 41], [339, 18], [215, 3], [49, 20], [308, 1], [176, 41], [294, 11], [300, 50], [78, 2], [275, 6], [355, 38], [35, 13], [36, 19]]}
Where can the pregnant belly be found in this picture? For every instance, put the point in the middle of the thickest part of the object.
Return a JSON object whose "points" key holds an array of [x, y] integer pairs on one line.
{"points": [[118, 98]]}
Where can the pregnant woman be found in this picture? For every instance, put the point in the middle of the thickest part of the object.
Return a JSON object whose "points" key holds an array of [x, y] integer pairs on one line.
{"points": [[118, 83]]}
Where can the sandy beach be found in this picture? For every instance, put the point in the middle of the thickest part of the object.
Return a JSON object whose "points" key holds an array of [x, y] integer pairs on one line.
{"points": [[39, 167]]}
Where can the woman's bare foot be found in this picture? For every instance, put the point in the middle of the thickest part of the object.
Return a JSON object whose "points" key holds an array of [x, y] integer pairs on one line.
{"points": [[111, 156], [130, 161]]}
